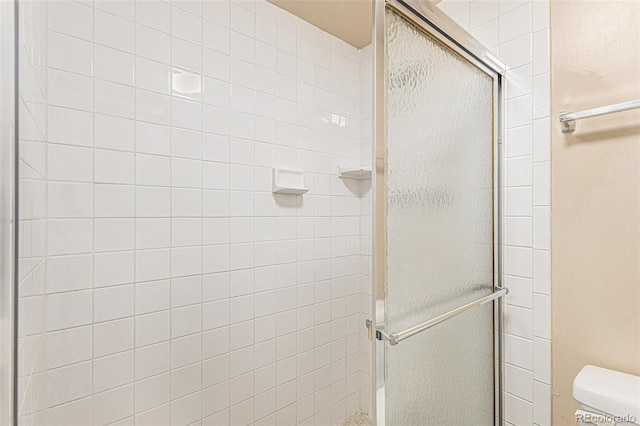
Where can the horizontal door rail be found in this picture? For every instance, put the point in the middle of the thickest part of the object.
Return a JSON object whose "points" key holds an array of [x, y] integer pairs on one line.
{"points": [[568, 120], [395, 338]]}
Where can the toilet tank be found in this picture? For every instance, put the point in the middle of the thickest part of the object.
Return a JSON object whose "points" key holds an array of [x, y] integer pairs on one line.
{"points": [[610, 392]]}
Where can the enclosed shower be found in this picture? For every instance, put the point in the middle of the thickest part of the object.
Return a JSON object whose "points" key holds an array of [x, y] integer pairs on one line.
{"points": [[219, 212]]}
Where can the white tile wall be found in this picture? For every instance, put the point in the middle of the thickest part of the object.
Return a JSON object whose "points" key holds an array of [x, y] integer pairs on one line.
{"points": [[518, 32], [179, 289], [32, 228]]}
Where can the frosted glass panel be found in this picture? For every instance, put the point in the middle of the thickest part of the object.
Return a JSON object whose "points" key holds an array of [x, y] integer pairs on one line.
{"points": [[439, 230]]}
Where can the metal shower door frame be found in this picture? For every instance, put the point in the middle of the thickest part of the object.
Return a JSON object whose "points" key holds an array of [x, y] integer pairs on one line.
{"points": [[426, 16]]}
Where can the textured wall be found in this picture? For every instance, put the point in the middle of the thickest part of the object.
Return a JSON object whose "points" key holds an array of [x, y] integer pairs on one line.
{"points": [[596, 194]]}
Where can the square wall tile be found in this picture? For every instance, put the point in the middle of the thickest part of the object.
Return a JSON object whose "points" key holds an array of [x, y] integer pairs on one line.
{"points": [[542, 360], [542, 315]]}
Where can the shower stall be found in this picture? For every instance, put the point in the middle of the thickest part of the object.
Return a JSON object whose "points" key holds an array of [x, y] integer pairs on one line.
{"points": [[216, 213]]}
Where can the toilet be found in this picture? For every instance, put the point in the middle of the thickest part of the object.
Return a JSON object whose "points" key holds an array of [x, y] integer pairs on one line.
{"points": [[606, 397]]}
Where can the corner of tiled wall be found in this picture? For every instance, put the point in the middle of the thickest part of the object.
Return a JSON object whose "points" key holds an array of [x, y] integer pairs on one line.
{"points": [[366, 246], [518, 32]]}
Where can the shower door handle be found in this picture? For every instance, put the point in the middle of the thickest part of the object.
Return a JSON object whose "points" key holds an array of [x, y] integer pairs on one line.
{"points": [[395, 338]]}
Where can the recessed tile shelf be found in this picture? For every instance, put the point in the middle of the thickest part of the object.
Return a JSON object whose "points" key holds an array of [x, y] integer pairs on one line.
{"points": [[288, 181], [354, 172]]}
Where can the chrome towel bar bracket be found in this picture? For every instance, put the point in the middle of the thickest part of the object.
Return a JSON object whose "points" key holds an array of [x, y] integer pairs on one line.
{"points": [[395, 338], [568, 120]]}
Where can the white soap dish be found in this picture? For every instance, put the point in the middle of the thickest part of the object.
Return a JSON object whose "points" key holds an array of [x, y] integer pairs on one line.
{"points": [[288, 181], [354, 172]]}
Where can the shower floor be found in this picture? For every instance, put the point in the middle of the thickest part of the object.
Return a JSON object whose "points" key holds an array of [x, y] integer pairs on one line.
{"points": [[359, 418]]}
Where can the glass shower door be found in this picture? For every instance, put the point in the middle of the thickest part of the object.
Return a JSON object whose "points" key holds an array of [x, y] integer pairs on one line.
{"points": [[435, 229]]}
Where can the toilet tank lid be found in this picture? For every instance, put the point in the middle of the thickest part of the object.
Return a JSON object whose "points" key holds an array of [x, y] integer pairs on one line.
{"points": [[609, 391]]}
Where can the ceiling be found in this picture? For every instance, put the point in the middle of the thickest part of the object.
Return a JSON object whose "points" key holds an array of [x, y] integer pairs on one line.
{"points": [[349, 20]]}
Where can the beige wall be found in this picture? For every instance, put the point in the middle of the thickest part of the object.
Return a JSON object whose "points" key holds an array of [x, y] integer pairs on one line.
{"points": [[595, 54]]}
